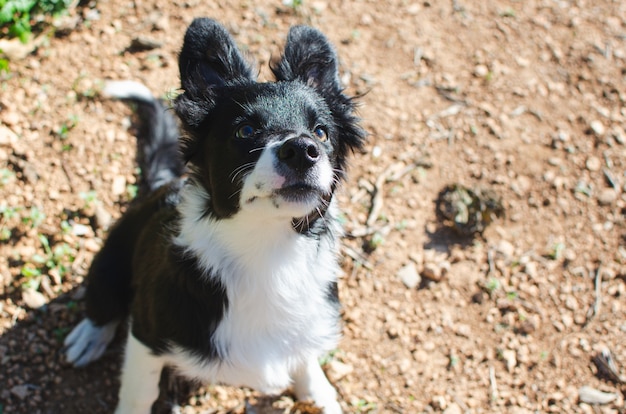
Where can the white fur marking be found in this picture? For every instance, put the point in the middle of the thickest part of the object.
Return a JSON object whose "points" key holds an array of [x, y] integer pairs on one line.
{"points": [[140, 378], [87, 342], [278, 313], [127, 90]]}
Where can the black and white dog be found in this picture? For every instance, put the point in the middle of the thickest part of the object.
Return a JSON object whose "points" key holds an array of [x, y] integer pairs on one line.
{"points": [[229, 275]]}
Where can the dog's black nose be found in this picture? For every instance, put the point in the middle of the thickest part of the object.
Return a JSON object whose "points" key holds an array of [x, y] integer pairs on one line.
{"points": [[299, 153]]}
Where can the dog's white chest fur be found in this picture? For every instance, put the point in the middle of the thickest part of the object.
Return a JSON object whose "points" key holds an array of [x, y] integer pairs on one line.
{"points": [[277, 285]]}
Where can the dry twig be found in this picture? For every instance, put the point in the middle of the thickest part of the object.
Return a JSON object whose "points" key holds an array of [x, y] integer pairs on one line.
{"points": [[354, 255], [594, 310], [494, 385], [607, 367]]}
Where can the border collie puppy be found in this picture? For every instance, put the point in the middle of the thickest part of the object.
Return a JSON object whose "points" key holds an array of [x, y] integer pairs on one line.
{"points": [[229, 273]]}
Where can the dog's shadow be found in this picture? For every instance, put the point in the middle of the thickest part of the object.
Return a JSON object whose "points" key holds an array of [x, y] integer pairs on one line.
{"points": [[35, 378]]}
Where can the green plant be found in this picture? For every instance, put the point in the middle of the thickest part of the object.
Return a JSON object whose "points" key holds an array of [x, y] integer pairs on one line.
{"points": [[362, 406], [67, 126], [57, 258], [509, 12], [131, 190], [35, 217], [325, 359], [402, 225], [19, 17], [453, 361], [294, 4], [492, 285], [171, 94], [5, 234], [29, 271], [6, 176], [32, 276], [512, 295], [556, 251], [61, 333], [375, 241], [8, 212], [89, 197]]}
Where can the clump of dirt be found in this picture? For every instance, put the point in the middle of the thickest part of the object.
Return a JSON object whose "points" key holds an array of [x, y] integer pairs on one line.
{"points": [[527, 99], [468, 211]]}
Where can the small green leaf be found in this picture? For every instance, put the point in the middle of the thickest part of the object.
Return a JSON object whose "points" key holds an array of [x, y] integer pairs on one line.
{"points": [[30, 272]]}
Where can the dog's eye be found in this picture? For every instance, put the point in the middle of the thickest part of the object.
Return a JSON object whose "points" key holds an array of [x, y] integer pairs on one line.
{"points": [[245, 131], [320, 133]]}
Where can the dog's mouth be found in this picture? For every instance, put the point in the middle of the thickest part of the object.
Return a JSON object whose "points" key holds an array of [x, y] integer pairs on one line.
{"points": [[299, 193]]}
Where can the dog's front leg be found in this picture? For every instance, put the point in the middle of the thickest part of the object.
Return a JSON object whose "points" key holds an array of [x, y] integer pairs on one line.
{"points": [[310, 383], [140, 379]]}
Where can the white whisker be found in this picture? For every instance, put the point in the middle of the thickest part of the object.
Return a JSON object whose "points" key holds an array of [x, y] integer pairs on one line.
{"points": [[234, 194], [242, 169], [321, 216]]}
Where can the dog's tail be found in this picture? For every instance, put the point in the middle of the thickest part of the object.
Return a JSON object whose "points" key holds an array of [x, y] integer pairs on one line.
{"points": [[158, 152]]}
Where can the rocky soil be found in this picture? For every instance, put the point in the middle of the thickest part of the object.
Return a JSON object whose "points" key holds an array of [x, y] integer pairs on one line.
{"points": [[524, 100]]}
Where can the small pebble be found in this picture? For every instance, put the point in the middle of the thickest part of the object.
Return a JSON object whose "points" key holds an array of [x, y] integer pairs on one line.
{"points": [[597, 127], [481, 71], [593, 164], [510, 359], [103, 217], [119, 185], [7, 136], [432, 272], [506, 249], [409, 276], [10, 118], [33, 299], [607, 197], [91, 245], [453, 408], [142, 43], [337, 370], [20, 391], [81, 230], [592, 396]]}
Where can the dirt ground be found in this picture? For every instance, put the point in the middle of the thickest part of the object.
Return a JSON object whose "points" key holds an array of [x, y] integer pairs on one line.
{"points": [[526, 99]]}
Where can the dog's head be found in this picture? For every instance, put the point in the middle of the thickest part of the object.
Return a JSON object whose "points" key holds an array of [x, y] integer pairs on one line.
{"points": [[278, 148]]}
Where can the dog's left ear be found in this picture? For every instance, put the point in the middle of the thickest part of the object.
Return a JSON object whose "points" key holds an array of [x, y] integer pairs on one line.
{"points": [[310, 58]]}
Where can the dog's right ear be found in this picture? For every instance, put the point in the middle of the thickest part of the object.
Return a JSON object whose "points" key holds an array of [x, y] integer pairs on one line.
{"points": [[209, 58]]}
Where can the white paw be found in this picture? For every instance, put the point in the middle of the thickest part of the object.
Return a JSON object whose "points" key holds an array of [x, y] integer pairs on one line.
{"points": [[329, 407], [87, 342], [310, 383]]}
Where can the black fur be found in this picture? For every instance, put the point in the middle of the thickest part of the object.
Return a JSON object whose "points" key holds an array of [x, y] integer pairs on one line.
{"points": [[139, 270], [159, 152]]}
